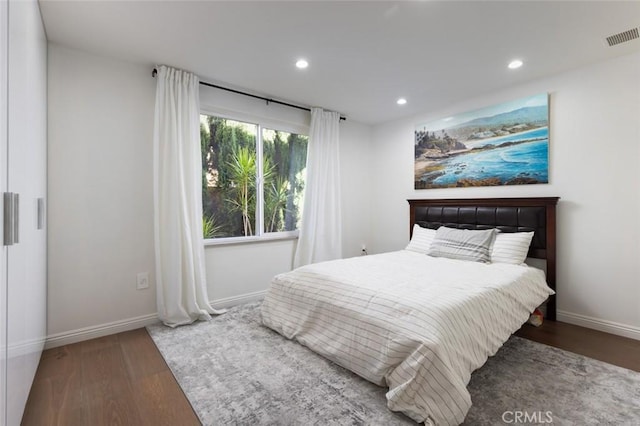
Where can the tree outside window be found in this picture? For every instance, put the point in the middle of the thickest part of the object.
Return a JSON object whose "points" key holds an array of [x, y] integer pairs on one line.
{"points": [[253, 178]]}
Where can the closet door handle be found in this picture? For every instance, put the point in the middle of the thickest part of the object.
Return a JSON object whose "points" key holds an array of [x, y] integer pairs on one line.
{"points": [[40, 213], [16, 218], [8, 228], [11, 223]]}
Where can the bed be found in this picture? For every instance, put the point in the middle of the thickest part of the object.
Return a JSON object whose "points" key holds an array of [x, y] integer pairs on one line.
{"points": [[418, 324]]}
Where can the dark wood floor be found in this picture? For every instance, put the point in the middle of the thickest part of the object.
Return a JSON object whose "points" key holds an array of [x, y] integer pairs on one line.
{"points": [[114, 380], [606, 347], [123, 380]]}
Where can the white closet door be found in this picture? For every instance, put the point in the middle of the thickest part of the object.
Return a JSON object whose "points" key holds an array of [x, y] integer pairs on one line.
{"points": [[4, 34], [26, 264]]}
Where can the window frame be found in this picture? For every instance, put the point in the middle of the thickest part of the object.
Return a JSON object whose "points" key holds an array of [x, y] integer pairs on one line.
{"points": [[261, 123]]}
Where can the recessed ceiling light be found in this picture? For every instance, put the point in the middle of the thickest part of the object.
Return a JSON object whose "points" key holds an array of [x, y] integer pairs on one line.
{"points": [[302, 64], [401, 101], [516, 63]]}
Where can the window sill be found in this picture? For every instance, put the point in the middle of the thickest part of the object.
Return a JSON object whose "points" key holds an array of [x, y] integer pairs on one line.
{"points": [[280, 236]]}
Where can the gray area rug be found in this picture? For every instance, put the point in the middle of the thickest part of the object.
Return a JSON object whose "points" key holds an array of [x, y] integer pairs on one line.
{"points": [[234, 371]]}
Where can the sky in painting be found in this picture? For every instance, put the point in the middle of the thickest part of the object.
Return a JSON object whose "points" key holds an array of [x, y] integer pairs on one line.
{"points": [[445, 123]]}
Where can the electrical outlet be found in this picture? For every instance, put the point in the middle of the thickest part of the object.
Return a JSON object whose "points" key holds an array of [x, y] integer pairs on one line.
{"points": [[142, 281]]}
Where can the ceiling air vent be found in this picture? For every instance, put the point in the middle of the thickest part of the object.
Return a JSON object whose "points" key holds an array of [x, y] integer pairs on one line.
{"points": [[623, 37]]}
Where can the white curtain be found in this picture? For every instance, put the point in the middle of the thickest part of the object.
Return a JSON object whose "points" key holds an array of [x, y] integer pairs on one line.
{"points": [[320, 236], [180, 271]]}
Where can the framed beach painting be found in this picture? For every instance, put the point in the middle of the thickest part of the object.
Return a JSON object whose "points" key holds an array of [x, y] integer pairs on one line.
{"points": [[506, 144]]}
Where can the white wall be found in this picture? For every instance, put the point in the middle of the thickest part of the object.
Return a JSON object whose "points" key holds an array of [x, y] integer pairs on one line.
{"points": [[357, 190], [594, 168], [101, 192], [100, 189]]}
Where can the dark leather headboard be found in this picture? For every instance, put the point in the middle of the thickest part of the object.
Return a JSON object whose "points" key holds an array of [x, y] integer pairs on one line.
{"points": [[506, 219], [506, 214]]}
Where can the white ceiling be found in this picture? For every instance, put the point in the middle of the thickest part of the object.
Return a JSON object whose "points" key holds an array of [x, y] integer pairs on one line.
{"points": [[363, 55]]}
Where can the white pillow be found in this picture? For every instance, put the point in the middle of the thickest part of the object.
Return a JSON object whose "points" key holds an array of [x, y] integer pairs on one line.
{"points": [[463, 244], [421, 239], [511, 247]]}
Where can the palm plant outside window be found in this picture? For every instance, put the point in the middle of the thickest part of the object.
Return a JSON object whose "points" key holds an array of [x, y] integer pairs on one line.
{"points": [[253, 178]]}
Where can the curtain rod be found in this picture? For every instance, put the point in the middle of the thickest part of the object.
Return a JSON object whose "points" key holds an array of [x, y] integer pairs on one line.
{"points": [[268, 100]]}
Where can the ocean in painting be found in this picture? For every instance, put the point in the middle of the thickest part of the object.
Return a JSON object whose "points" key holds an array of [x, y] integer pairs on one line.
{"points": [[524, 158]]}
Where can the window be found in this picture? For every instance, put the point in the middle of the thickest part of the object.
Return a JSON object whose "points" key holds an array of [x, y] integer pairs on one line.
{"points": [[253, 178]]}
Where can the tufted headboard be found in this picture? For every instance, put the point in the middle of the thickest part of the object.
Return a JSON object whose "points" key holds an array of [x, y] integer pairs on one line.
{"points": [[506, 214]]}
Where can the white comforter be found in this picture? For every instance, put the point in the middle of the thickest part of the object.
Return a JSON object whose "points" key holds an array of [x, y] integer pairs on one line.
{"points": [[417, 324]]}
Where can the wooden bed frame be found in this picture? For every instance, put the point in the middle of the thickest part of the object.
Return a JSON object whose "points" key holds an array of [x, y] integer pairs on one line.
{"points": [[506, 214]]}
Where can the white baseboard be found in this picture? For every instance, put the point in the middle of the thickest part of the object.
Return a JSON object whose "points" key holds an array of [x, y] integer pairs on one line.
{"points": [[86, 333], [599, 324], [228, 302]]}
